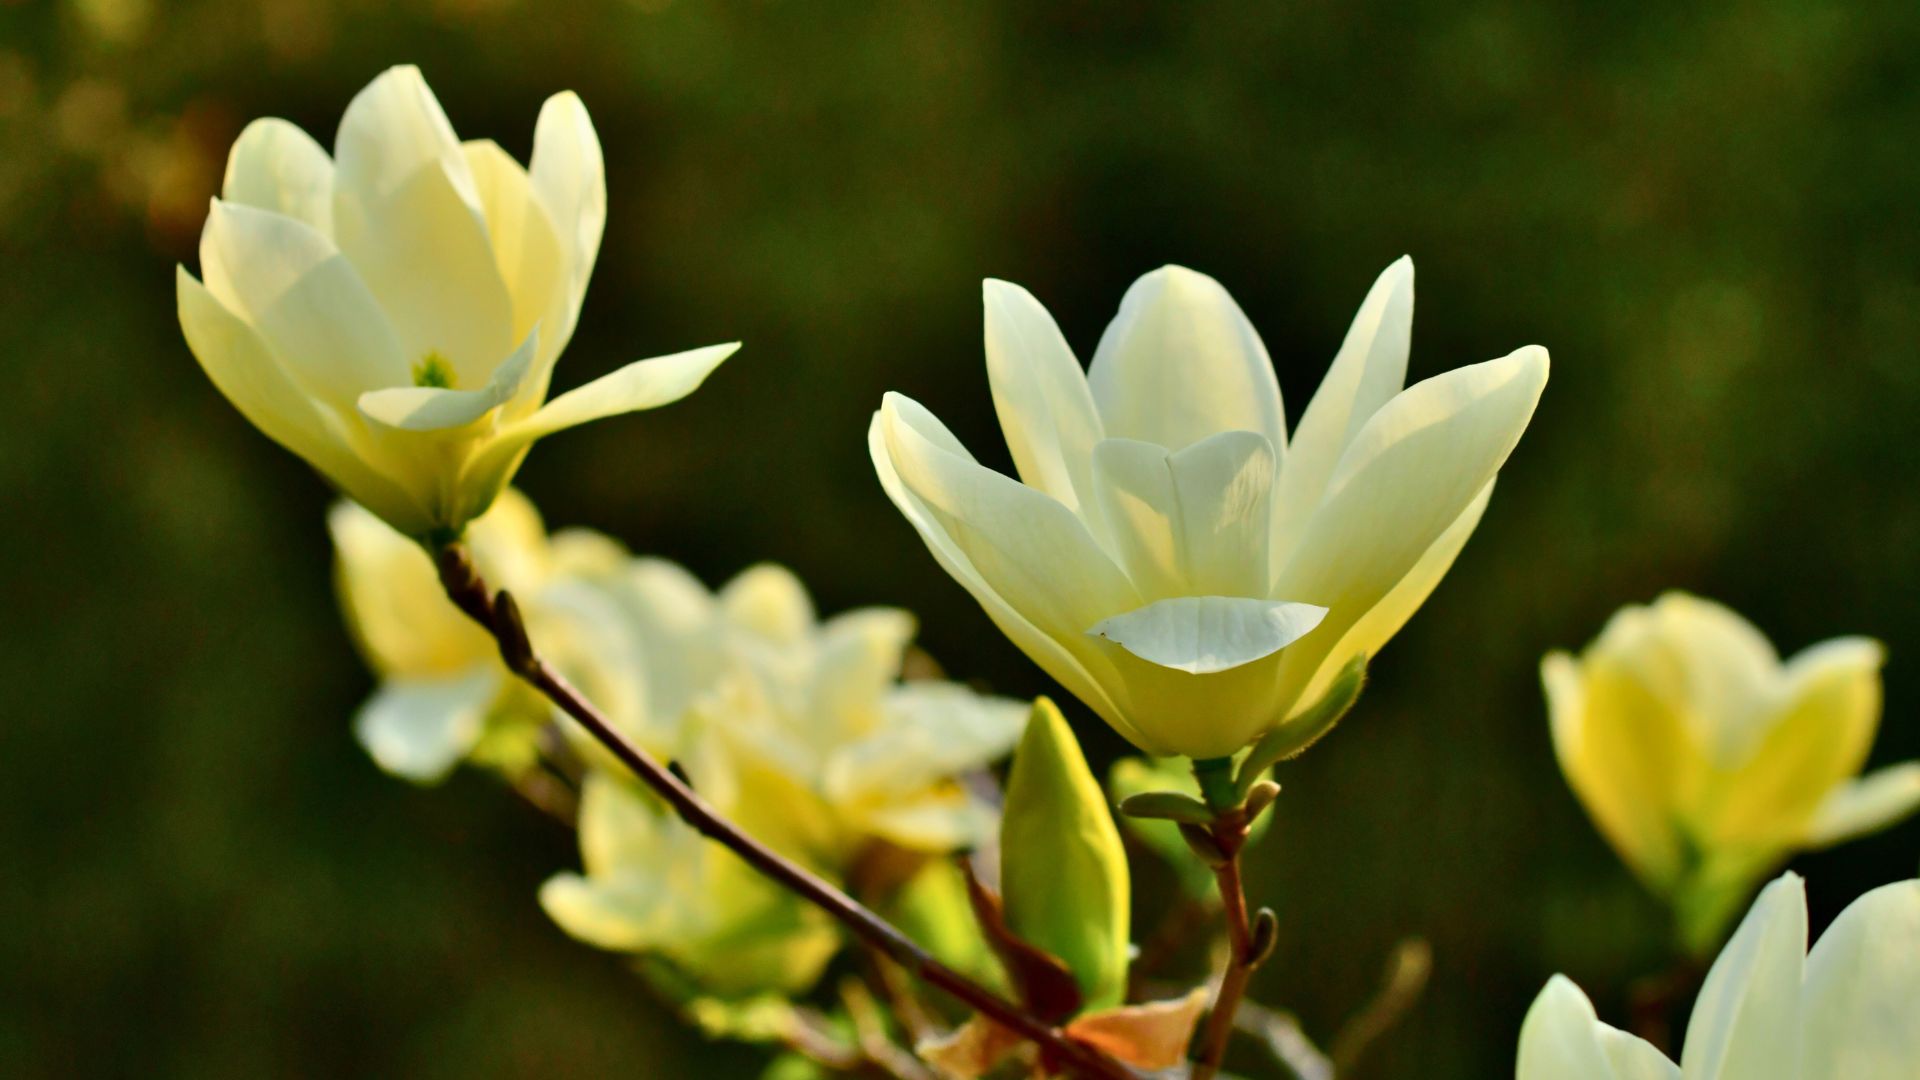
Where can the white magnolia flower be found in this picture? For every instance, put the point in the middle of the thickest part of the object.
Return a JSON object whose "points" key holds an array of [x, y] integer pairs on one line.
{"points": [[1706, 760], [1169, 554], [392, 314], [1768, 1010]]}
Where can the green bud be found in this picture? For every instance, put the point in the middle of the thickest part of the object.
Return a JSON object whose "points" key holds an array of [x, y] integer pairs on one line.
{"points": [[1294, 736], [1063, 870]]}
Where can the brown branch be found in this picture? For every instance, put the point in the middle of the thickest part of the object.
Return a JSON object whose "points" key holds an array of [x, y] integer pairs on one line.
{"points": [[1406, 979], [500, 616]]}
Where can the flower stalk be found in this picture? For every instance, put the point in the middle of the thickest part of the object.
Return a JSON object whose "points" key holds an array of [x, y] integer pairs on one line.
{"points": [[499, 615], [1249, 940]]}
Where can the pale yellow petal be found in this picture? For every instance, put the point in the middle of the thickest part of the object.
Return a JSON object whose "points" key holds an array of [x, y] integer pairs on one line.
{"points": [[1861, 1013], [1041, 396], [276, 166], [1746, 1021]]}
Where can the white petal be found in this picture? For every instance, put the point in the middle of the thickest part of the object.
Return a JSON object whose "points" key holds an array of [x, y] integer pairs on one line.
{"points": [[1204, 634], [1867, 805], [1409, 475], [1073, 669], [1634, 1058], [570, 177], [407, 212], [768, 601], [528, 255], [1040, 394], [1862, 1005], [1378, 626], [1369, 369], [432, 408], [1180, 362], [1193, 522], [420, 729], [1561, 1037], [276, 166], [243, 369], [1746, 1021], [307, 301]]}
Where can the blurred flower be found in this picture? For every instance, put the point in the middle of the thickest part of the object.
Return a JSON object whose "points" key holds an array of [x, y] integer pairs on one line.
{"points": [[655, 886], [1705, 760], [1769, 1010], [393, 314], [1169, 555], [443, 689]]}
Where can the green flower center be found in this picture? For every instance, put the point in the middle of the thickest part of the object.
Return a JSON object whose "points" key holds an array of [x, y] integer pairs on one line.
{"points": [[434, 370]]}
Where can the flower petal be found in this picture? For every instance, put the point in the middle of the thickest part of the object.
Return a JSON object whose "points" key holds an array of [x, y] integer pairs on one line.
{"points": [[1369, 369], [1861, 1012], [643, 384], [1867, 805], [1071, 668], [1561, 1037], [1746, 1021], [569, 176], [419, 729], [306, 300], [769, 602], [1408, 476], [1192, 522], [432, 408], [247, 374], [1205, 634], [276, 166], [407, 212], [1180, 362], [1041, 396], [528, 254]]}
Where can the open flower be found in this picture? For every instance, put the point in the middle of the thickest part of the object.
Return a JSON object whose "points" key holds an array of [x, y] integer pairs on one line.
{"points": [[1768, 1010], [1705, 760], [392, 314], [1169, 554]]}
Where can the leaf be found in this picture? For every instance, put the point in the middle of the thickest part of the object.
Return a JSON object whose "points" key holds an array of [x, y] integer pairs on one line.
{"points": [[1151, 1036]]}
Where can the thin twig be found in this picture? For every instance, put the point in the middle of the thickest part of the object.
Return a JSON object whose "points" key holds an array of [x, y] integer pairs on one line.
{"points": [[1406, 979], [1285, 1039], [1240, 964], [499, 615], [871, 1029]]}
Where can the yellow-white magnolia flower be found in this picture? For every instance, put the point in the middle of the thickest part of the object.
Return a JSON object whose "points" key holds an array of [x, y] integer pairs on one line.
{"points": [[443, 688], [1169, 554], [653, 885], [818, 706], [1768, 1010], [392, 314], [1705, 760]]}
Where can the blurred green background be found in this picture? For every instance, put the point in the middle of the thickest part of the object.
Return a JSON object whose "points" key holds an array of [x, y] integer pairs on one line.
{"points": [[1705, 211]]}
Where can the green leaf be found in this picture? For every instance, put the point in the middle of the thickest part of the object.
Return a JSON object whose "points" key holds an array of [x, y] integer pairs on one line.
{"points": [[1293, 737], [1168, 805], [1063, 872]]}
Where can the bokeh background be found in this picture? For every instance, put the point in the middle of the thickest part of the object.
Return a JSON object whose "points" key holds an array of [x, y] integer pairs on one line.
{"points": [[1704, 210]]}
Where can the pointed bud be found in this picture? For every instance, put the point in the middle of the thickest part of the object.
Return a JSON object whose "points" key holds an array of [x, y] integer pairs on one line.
{"points": [[1063, 869]]}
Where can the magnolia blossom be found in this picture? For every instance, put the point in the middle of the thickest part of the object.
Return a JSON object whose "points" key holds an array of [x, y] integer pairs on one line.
{"points": [[392, 314], [1169, 553], [1850, 1010], [1705, 760]]}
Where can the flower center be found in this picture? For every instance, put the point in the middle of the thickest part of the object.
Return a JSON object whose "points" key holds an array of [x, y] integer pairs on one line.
{"points": [[434, 370]]}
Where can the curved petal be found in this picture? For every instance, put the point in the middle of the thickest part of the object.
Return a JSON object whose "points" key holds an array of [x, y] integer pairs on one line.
{"points": [[768, 601], [1409, 475], [1193, 522], [419, 729], [1747, 1018], [306, 300], [1561, 1037], [1069, 668], [1818, 740], [527, 252], [1861, 1013], [1204, 634], [408, 214], [276, 166], [569, 175], [1379, 625], [399, 615], [1180, 362], [1369, 369], [1875, 801], [1710, 664], [1041, 396], [432, 408], [246, 373]]}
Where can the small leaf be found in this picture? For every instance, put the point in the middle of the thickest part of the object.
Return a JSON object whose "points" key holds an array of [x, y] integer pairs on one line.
{"points": [[1168, 805], [1150, 1036], [1291, 738], [1063, 869], [969, 1051]]}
